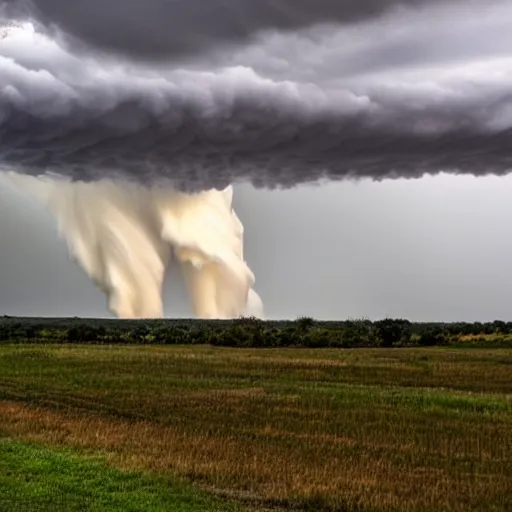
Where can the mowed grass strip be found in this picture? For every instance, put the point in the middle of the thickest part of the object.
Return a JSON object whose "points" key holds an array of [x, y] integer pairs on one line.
{"points": [[414, 429], [35, 478]]}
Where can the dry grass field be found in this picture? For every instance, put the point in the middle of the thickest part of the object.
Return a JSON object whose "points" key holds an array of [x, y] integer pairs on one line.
{"points": [[422, 429]]}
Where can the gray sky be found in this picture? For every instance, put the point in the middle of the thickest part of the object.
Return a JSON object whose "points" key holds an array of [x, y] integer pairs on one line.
{"points": [[429, 249]]}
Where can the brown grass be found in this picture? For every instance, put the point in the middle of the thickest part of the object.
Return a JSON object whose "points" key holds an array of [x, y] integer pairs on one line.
{"points": [[331, 439]]}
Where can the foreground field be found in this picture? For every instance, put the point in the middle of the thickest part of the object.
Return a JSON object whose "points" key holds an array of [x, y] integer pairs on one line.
{"points": [[368, 430]]}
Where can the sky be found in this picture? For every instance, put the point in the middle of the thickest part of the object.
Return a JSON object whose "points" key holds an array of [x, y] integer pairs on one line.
{"points": [[368, 144], [435, 249]]}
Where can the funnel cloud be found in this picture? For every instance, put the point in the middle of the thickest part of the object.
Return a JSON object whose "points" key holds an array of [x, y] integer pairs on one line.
{"points": [[124, 236]]}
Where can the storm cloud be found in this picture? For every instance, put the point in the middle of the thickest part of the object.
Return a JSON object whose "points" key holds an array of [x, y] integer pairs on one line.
{"points": [[330, 91], [163, 28]]}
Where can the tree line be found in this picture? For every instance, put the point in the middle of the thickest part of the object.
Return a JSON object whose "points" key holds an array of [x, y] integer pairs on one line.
{"points": [[251, 332]]}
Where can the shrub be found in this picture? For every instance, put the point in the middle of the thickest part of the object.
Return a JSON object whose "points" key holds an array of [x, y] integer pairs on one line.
{"points": [[432, 337]]}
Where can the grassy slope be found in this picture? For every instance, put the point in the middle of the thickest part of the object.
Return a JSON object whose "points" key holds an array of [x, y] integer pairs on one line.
{"points": [[412, 429], [40, 479]]}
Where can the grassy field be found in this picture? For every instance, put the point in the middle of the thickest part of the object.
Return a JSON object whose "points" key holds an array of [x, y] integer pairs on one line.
{"points": [[36, 478], [423, 429]]}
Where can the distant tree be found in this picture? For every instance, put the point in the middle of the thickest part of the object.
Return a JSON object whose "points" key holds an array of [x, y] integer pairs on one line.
{"points": [[499, 327], [432, 336], [390, 332], [82, 332], [304, 323]]}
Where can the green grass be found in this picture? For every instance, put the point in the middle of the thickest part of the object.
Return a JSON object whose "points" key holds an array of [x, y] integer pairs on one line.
{"points": [[34, 478], [367, 429]]}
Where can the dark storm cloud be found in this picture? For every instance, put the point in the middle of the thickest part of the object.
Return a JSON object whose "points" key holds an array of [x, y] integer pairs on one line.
{"points": [[171, 28], [270, 138], [89, 117]]}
